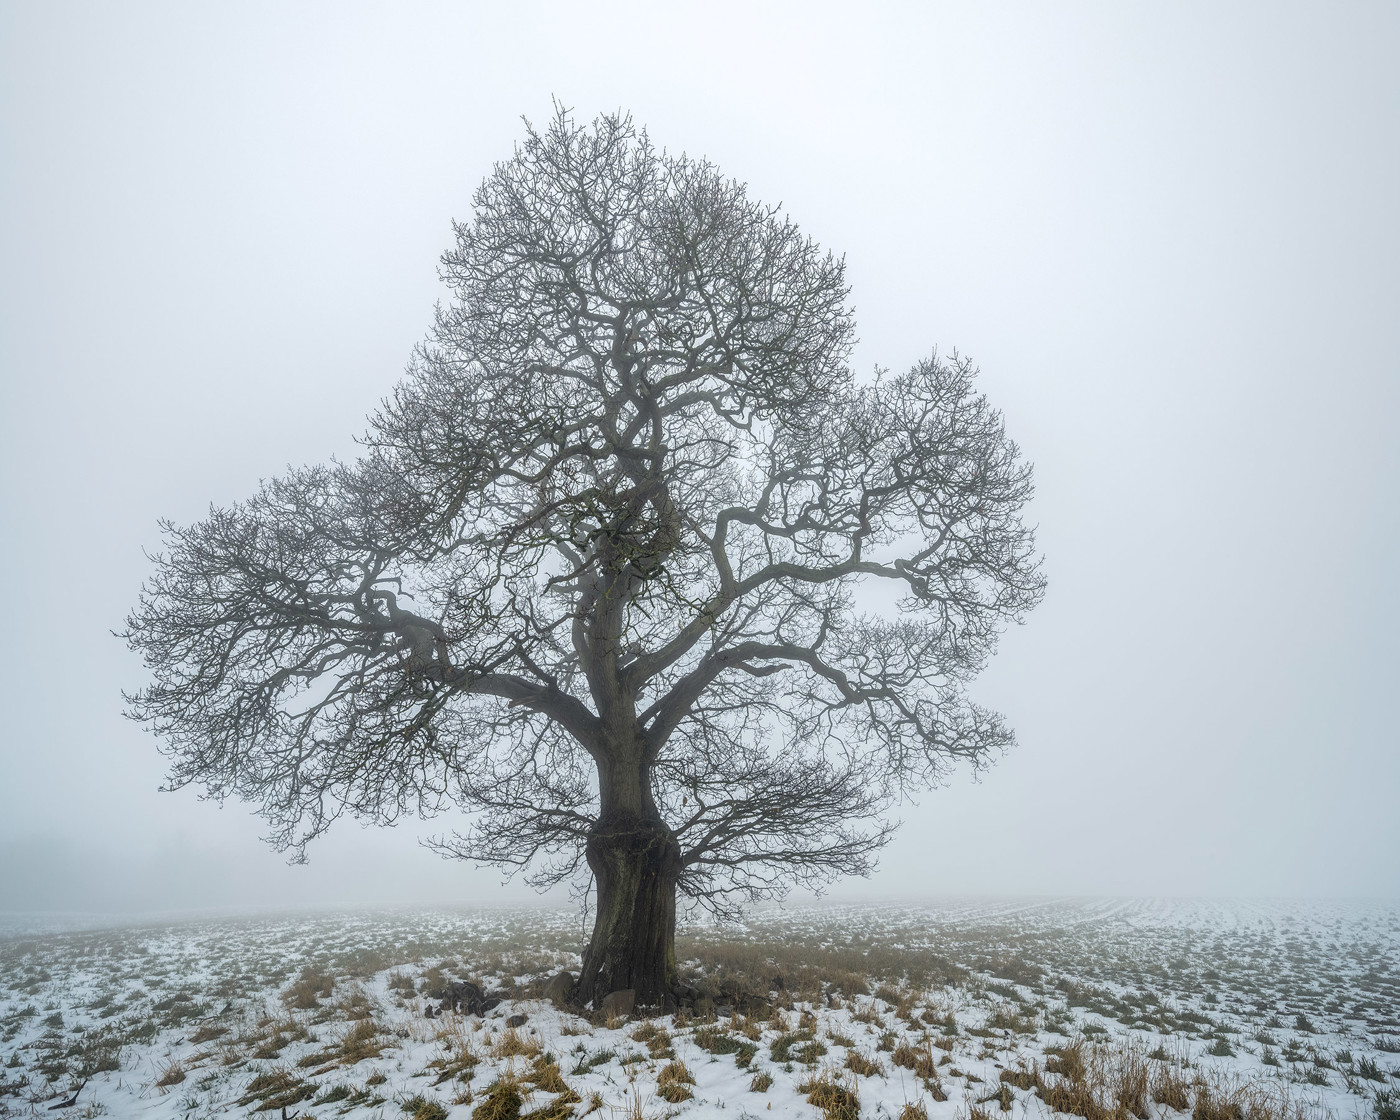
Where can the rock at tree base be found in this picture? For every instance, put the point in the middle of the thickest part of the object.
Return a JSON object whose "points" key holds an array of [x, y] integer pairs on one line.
{"points": [[560, 989], [466, 997], [619, 1003]]}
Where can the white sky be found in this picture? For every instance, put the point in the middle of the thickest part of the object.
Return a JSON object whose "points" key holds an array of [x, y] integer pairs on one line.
{"points": [[1167, 233]]}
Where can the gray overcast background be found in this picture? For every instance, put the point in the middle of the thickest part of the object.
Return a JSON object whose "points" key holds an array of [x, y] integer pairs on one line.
{"points": [[1169, 234]]}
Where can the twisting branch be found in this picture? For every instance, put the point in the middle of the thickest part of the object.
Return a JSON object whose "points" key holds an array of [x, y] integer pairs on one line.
{"points": [[613, 522]]}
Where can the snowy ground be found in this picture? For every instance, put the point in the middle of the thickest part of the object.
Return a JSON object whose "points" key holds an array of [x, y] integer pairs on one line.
{"points": [[951, 1011]]}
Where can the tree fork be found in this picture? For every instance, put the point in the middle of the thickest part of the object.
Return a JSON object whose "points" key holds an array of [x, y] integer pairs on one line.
{"points": [[636, 864]]}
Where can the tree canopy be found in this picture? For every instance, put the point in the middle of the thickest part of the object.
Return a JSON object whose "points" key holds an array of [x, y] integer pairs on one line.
{"points": [[613, 552]]}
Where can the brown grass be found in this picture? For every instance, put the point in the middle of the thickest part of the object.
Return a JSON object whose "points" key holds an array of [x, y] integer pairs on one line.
{"points": [[361, 1041], [748, 972], [308, 989], [920, 1059], [419, 1107], [546, 1077], [277, 1088], [172, 1073], [513, 1044], [836, 1101], [858, 1063], [656, 1038], [502, 1101], [674, 1083], [1170, 1088]]}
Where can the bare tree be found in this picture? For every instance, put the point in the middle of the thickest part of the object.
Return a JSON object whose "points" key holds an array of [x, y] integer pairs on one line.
{"points": [[606, 576]]}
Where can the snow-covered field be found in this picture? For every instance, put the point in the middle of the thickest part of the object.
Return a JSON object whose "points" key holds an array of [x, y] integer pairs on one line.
{"points": [[955, 1010]]}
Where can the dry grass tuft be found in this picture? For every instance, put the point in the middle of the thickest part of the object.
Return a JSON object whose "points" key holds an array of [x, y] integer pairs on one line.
{"points": [[277, 1089], [513, 1044], [673, 1085], [502, 1102], [1170, 1088], [356, 1004], [798, 1046], [717, 1041], [746, 1027], [172, 1073], [546, 1077], [656, 1038], [1021, 1077], [361, 1041], [858, 1063], [308, 989], [836, 1101], [1099, 1082], [419, 1107], [459, 1061], [920, 1059], [913, 1111]]}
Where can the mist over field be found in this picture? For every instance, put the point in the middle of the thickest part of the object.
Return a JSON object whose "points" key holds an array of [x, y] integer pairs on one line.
{"points": [[1166, 237]]}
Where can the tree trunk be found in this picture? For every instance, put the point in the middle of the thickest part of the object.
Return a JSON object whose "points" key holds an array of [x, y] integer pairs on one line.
{"points": [[636, 864]]}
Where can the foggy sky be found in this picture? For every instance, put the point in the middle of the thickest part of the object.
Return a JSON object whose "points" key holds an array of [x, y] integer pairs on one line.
{"points": [[1167, 233]]}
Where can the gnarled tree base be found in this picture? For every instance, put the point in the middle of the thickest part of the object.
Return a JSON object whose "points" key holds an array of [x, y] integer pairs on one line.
{"points": [[636, 865]]}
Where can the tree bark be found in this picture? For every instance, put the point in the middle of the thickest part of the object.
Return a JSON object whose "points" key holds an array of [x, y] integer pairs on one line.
{"points": [[636, 863]]}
